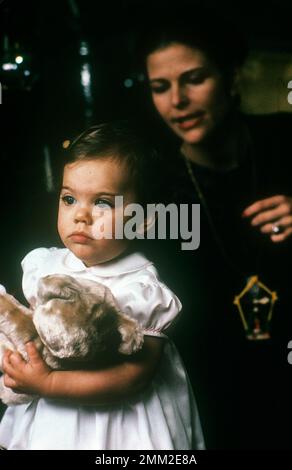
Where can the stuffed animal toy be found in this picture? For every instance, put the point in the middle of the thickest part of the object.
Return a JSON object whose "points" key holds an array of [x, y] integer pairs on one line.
{"points": [[75, 324]]}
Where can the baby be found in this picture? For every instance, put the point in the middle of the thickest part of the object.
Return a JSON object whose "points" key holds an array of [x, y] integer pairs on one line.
{"points": [[144, 401]]}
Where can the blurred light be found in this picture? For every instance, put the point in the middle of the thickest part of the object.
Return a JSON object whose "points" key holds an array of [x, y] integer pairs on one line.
{"points": [[85, 79], [85, 76], [9, 66], [66, 144], [83, 48], [16, 70], [128, 83]]}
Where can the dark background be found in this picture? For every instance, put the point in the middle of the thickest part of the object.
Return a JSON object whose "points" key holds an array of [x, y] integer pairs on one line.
{"points": [[44, 108]]}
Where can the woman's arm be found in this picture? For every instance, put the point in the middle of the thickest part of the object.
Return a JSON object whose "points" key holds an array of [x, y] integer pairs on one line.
{"points": [[101, 387]]}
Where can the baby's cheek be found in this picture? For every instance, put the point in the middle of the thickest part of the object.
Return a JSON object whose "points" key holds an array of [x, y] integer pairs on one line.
{"points": [[108, 224], [103, 227], [62, 222]]}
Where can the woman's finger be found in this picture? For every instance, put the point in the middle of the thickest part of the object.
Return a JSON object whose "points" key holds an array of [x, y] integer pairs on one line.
{"points": [[282, 224], [263, 204], [271, 215], [285, 221], [280, 237]]}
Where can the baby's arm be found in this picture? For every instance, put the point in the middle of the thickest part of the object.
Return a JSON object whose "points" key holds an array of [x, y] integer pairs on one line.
{"points": [[100, 387]]}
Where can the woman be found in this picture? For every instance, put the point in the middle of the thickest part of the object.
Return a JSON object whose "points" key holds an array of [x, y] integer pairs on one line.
{"points": [[236, 167]]}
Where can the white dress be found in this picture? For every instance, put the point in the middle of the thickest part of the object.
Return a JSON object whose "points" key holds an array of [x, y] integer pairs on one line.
{"points": [[163, 417]]}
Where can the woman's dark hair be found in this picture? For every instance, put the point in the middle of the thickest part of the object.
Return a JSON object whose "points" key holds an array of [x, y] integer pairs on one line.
{"points": [[222, 41], [122, 141]]}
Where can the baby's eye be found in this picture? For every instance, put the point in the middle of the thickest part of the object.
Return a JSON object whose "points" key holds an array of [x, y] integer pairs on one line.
{"points": [[68, 200], [103, 204]]}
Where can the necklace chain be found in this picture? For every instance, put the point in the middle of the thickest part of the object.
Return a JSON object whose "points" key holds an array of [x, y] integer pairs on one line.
{"points": [[207, 211]]}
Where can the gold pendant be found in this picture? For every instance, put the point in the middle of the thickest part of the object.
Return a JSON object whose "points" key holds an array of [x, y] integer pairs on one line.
{"points": [[255, 304]]}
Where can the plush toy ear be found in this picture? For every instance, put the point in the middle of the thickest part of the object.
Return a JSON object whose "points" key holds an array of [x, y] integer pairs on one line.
{"points": [[16, 326], [131, 334], [16, 329], [55, 286]]}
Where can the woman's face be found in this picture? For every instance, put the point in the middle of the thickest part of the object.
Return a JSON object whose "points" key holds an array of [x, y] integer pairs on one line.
{"points": [[188, 91]]}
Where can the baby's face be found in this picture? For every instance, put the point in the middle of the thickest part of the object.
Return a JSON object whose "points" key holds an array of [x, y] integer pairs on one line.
{"points": [[87, 212]]}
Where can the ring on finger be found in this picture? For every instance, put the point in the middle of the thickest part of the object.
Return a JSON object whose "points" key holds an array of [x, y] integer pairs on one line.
{"points": [[276, 229]]}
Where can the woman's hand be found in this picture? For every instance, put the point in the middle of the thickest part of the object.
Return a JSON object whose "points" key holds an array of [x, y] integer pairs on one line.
{"points": [[273, 216], [32, 377]]}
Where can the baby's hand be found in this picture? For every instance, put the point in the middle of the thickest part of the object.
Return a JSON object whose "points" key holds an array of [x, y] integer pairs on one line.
{"points": [[32, 377]]}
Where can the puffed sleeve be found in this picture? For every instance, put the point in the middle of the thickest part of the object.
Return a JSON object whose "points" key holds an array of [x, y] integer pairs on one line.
{"points": [[2, 289], [152, 304], [31, 265]]}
